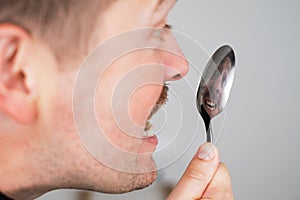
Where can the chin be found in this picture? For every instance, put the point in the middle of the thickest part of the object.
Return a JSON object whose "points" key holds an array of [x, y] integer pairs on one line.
{"points": [[145, 180], [140, 181], [131, 182], [112, 181]]}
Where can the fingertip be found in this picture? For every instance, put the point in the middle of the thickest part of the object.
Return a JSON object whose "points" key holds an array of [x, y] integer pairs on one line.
{"points": [[207, 152]]}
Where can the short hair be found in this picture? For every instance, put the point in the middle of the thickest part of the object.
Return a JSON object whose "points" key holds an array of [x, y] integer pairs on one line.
{"points": [[63, 24]]}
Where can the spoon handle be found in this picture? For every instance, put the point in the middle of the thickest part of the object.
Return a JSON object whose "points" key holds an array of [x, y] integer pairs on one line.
{"points": [[209, 134]]}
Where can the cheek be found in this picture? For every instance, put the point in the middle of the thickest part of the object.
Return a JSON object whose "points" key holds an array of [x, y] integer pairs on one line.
{"points": [[62, 111], [61, 108], [126, 94], [117, 116]]}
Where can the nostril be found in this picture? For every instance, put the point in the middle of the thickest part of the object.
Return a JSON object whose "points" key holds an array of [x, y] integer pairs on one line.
{"points": [[177, 76], [176, 66], [171, 74]]}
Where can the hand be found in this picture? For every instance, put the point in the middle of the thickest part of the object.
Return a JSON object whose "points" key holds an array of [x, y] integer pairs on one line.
{"points": [[205, 178]]}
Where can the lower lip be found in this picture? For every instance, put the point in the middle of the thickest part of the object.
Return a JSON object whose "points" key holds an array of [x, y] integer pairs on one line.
{"points": [[152, 140]]}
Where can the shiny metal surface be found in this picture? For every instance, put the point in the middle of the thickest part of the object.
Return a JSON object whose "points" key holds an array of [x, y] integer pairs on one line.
{"points": [[215, 86]]}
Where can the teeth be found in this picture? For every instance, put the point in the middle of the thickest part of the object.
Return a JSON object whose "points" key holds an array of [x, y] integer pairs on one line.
{"points": [[210, 105]]}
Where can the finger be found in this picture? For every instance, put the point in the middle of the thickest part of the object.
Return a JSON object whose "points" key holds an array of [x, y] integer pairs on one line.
{"points": [[220, 186], [198, 174]]}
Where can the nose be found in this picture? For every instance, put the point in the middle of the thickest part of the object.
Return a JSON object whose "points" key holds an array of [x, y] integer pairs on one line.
{"points": [[217, 85], [176, 65]]}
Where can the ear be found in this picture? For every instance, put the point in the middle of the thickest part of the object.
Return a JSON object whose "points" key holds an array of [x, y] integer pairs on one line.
{"points": [[17, 97]]}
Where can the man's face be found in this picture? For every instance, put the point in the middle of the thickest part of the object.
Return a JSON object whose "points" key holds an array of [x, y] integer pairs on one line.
{"points": [[80, 168], [213, 97]]}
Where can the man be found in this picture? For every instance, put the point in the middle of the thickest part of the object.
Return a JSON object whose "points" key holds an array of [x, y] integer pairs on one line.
{"points": [[42, 46]]}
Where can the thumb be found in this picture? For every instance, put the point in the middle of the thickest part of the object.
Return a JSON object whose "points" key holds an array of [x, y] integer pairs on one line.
{"points": [[198, 174]]}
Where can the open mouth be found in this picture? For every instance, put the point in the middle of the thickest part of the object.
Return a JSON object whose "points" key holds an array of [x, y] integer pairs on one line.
{"points": [[210, 105]]}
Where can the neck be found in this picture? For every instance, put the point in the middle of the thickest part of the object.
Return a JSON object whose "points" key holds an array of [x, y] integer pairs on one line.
{"points": [[19, 177]]}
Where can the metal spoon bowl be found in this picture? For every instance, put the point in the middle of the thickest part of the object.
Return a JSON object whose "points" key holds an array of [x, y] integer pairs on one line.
{"points": [[215, 86]]}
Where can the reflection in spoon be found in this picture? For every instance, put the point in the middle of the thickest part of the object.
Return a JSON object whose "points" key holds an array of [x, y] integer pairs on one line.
{"points": [[215, 86]]}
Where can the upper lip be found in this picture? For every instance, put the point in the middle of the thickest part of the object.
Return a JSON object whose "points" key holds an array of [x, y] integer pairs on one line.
{"points": [[161, 100]]}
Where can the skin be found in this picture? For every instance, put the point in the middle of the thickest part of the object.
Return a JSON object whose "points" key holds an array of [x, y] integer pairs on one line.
{"points": [[40, 147]]}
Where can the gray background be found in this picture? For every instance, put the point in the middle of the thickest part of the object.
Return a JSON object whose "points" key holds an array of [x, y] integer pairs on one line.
{"points": [[260, 139]]}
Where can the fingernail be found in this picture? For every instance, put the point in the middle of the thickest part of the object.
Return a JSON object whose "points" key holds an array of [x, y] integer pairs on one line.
{"points": [[207, 152]]}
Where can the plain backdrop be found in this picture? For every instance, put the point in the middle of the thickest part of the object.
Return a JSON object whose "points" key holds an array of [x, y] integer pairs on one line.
{"points": [[260, 141]]}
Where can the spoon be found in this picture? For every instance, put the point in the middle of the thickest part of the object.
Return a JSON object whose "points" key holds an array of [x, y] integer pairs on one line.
{"points": [[215, 86]]}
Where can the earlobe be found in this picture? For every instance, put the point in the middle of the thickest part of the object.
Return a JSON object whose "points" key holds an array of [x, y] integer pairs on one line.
{"points": [[16, 99]]}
